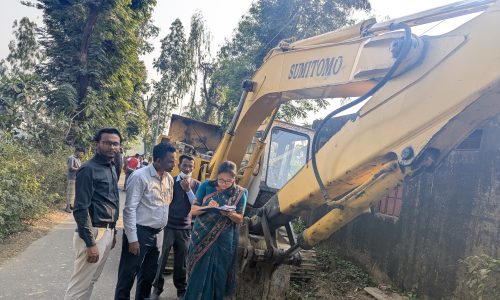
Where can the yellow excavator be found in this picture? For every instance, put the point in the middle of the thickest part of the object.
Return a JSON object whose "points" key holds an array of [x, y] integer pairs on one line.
{"points": [[420, 97]]}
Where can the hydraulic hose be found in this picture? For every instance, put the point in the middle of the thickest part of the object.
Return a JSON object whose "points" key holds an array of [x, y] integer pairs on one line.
{"points": [[403, 52]]}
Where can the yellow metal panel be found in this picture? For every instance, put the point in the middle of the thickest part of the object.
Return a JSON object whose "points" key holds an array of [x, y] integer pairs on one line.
{"points": [[454, 87], [409, 111], [267, 95], [354, 206], [336, 36]]}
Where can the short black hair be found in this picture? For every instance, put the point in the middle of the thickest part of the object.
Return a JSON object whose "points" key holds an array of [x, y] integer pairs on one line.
{"points": [[80, 149], [98, 135], [161, 150], [185, 156], [227, 167]]}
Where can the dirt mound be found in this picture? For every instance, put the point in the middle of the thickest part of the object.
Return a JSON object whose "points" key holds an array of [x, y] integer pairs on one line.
{"points": [[335, 279]]}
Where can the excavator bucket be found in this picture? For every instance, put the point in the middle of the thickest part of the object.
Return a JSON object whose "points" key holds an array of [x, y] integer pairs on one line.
{"points": [[203, 137]]}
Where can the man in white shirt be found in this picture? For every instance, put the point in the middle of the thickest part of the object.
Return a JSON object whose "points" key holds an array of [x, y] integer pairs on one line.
{"points": [[149, 193]]}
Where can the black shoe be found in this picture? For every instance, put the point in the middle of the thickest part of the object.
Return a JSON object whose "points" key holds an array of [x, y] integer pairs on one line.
{"points": [[68, 209]]}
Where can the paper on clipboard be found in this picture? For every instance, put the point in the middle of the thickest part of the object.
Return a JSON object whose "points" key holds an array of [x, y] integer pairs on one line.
{"points": [[217, 210]]}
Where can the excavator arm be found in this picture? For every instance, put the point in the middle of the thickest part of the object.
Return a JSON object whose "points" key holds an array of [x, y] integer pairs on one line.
{"points": [[439, 90]]}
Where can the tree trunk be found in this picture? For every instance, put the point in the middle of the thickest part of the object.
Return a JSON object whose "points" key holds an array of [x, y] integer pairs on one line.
{"points": [[208, 112], [208, 94], [146, 144], [84, 78]]}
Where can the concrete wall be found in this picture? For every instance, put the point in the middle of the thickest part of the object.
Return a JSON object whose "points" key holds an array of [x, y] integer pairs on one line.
{"points": [[446, 216]]}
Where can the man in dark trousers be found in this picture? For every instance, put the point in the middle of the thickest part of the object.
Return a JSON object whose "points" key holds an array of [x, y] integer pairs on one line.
{"points": [[149, 194], [96, 212], [178, 231]]}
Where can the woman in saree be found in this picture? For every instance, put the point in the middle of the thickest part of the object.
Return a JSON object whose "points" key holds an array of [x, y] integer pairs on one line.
{"points": [[211, 262]]}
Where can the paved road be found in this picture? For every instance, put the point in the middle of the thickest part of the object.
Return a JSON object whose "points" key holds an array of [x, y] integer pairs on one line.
{"points": [[42, 271]]}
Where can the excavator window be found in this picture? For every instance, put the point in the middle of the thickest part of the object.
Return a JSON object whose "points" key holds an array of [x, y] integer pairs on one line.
{"points": [[288, 152]]}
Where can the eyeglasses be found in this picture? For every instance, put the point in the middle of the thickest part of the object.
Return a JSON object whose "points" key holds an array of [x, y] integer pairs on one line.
{"points": [[221, 180], [111, 144]]}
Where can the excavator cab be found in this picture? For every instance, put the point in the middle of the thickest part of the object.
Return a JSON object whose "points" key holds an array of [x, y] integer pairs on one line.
{"points": [[288, 148]]}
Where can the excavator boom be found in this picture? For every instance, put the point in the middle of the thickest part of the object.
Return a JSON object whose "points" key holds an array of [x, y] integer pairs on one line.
{"points": [[438, 92]]}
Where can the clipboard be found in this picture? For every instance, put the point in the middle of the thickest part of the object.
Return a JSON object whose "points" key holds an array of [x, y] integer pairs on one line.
{"points": [[217, 210]]}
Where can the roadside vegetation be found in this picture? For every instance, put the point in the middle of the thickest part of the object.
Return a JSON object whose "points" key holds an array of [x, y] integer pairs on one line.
{"points": [[483, 276], [31, 182]]}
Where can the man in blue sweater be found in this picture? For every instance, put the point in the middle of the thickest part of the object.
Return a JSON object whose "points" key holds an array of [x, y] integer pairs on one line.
{"points": [[177, 233]]}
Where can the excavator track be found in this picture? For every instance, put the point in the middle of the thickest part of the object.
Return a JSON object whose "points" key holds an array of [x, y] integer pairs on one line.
{"points": [[307, 268]]}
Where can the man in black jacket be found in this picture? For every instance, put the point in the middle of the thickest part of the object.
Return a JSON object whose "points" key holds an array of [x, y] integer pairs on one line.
{"points": [[177, 233], [95, 212]]}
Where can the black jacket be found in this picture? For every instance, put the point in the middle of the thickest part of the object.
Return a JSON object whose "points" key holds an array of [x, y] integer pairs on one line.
{"points": [[96, 196], [179, 212]]}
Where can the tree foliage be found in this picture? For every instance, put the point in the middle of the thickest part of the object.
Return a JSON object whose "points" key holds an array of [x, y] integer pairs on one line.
{"points": [[184, 64], [30, 180], [23, 110], [24, 50], [202, 67], [96, 76], [259, 30], [174, 67], [90, 74]]}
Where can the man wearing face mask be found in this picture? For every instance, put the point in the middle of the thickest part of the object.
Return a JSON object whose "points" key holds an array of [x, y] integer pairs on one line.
{"points": [[178, 230]]}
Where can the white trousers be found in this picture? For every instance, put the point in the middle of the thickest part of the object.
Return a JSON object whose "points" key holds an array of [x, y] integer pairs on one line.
{"points": [[85, 274]]}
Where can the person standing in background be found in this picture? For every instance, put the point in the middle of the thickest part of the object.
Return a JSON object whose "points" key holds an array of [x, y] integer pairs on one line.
{"points": [[73, 163], [132, 165]]}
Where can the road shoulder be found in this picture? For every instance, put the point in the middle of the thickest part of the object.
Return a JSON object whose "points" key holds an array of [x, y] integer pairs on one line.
{"points": [[20, 241]]}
